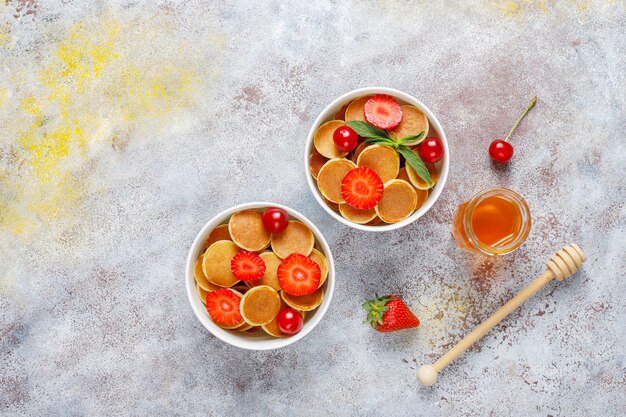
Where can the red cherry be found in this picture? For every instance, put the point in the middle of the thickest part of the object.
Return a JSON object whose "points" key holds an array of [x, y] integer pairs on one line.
{"points": [[345, 138], [500, 151], [289, 321], [275, 220], [431, 150]]}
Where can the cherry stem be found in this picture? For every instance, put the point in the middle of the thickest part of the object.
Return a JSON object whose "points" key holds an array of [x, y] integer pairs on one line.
{"points": [[530, 106]]}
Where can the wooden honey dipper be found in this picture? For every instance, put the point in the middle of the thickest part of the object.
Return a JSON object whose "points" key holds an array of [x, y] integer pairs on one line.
{"points": [[561, 266]]}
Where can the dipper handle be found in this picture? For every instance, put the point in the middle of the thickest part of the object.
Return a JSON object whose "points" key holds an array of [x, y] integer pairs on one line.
{"points": [[561, 266]]}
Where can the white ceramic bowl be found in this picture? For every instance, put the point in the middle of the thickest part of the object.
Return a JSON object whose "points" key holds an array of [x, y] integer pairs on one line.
{"points": [[257, 340], [404, 98]]}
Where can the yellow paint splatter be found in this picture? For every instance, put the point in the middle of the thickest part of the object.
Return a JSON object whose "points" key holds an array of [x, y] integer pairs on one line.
{"points": [[519, 8], [101, 81], [509, 8], [4, 36], [516, 8], [4, 96]]}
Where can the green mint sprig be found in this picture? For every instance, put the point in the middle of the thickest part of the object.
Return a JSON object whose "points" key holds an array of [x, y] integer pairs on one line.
{"points": [[378, 136], [366, 130]]}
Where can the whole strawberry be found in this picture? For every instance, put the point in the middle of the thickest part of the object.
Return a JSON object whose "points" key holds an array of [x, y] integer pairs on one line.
{"points": [[389, 313]]}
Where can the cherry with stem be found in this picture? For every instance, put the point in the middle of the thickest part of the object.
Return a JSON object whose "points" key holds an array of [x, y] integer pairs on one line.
{"points": [[501, 150]]}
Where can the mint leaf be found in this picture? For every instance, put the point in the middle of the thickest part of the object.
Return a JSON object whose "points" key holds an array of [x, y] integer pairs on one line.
{"points": [[411, 138], [381, 141], [416, 163], [367, 130]]}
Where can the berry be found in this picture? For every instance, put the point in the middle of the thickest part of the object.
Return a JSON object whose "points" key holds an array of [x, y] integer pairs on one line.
{"points": [[223, 307], [345, 138], [431, 150], [289, 321], [389, 313], [298, 275], [362, 188], [500, 151], [383, 111], [275, 220], [247, 266]]}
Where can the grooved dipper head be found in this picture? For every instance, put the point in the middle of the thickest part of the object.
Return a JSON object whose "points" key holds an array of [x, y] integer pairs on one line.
{"points": [[566, 262]]}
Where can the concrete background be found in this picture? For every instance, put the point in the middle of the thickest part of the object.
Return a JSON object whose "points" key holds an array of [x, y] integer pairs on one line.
{"points": [[125, 126]]}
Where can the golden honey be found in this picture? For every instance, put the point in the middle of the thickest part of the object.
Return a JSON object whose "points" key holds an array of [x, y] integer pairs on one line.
{"points": [[496, 221]]}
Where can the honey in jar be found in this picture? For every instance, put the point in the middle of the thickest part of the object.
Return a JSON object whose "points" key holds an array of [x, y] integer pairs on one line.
{"points": [[494, 222]]}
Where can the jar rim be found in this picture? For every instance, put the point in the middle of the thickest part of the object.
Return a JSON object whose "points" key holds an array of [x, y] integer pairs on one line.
{"points": [[526, 222]]}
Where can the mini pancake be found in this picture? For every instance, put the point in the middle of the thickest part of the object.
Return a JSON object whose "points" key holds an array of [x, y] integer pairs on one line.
{"points": [[330, 204], [316, 162], [319, 258], [382, 159], [356, 215], [244, 327], [271, 328], [398, 202], [413, 122], [356, 109], [260, 305], [402, 175], [232, 326], [219, 233], [304, 302], [240, 288], [271, 268], [296, 238], [201, 278], [358, 150], [341, 113], [202, 293], [323, 139], [422, 195], [418, 182], [330, 177], [247, 230], [375, 221], [216, 263]]}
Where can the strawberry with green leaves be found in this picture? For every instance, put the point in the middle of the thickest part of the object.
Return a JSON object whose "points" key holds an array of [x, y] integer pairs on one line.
{"points": [[389, 313]]}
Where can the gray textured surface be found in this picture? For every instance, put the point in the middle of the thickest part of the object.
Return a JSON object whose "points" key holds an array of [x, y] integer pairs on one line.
{"points": [[175, 112]]}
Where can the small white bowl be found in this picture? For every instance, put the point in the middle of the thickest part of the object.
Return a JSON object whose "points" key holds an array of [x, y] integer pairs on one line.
{"points": [[256, 341], [328, 114]]}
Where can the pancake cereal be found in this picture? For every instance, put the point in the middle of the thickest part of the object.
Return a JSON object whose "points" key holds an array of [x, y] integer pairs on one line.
{"points": [[260, 263], [382, 178]]}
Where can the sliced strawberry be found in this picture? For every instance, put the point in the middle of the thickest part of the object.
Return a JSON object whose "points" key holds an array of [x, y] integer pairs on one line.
{"points": [[223, 307], [383, 111], [362, 188], [247, 266], [298, 275]]}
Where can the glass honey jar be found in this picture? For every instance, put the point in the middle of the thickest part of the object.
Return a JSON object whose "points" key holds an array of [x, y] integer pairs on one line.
{"points": [[494, 222]]}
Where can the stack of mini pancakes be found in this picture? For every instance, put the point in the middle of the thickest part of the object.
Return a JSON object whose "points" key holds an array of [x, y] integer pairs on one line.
{"points": [[404, 192], [261, 300]]}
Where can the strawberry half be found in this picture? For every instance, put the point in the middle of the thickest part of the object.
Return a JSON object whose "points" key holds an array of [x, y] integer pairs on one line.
{"points": [[362, 188], [383, 111], [389, 313], [247, 266], [223, 307], [298, 275]]}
